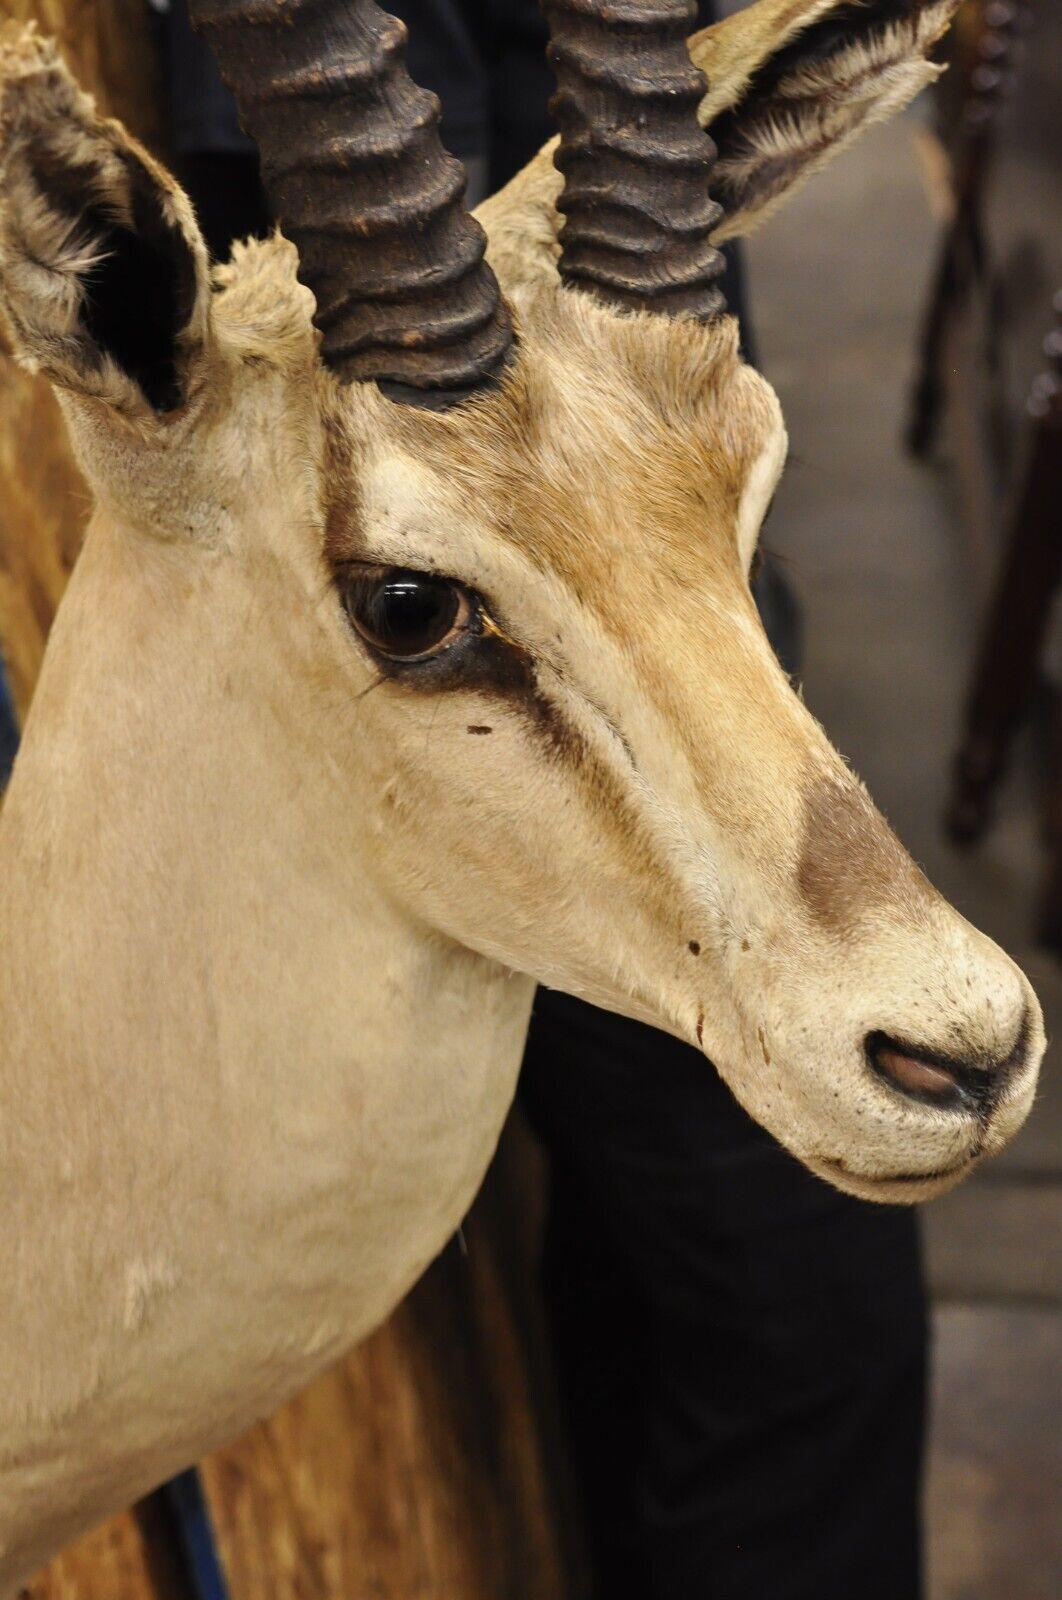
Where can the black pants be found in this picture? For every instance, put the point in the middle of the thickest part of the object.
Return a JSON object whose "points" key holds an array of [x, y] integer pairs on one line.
{"points": [[741, 1349]]}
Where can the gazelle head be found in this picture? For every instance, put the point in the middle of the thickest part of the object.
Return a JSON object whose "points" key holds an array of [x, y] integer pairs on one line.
{"points": [[460, 561]]}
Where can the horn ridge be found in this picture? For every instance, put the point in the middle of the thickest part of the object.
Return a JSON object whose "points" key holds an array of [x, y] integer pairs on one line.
{"points": [[357, 176], [637, 211]]}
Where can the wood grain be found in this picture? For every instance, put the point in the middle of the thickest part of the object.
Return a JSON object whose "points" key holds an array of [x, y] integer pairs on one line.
{"points": [[127, 1559]]}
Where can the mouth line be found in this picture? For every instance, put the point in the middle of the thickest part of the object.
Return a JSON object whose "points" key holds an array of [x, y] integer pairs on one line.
{"points": [[903, 1179]]}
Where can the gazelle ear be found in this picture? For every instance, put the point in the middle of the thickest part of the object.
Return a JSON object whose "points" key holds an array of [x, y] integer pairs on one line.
{"points": [[791, 84], [103, 271]]}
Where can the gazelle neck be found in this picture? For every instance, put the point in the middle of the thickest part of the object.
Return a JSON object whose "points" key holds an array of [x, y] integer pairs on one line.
{"points": [[241, 1089]]}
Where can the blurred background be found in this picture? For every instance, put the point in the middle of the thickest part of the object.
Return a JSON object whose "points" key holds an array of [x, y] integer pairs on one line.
{"points": [[906, 310], [897, 557]]}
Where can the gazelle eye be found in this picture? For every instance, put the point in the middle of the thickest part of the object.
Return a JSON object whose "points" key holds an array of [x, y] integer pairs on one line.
{"points": [[406, 615]]}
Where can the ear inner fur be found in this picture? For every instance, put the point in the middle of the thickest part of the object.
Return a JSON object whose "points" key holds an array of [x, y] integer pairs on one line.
{"points": [[105, 269], [853, 66], [142, 294]]}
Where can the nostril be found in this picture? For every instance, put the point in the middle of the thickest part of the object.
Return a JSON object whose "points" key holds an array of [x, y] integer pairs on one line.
{"points": [[926, 1076], [914, 1076]]}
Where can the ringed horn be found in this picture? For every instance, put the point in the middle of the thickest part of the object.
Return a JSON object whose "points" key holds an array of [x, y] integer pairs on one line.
{"points": [[355, 172], [636, 162]]}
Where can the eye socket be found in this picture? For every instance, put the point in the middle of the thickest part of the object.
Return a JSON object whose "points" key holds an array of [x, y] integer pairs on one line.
{"points": [[406, 615]]}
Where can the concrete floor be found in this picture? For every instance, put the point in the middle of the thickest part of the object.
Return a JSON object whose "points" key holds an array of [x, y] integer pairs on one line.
{"points": [[872, 546], [996, 1458]]}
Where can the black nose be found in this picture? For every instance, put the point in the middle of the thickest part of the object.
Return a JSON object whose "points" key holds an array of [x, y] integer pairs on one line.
{"points": [[949, 1082]]}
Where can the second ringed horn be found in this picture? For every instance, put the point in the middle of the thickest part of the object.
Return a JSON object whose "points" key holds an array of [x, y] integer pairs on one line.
{"points": [[638, 215], [361, 185]]}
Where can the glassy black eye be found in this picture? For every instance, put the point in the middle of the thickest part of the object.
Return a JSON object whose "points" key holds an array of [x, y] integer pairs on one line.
{"points": [[403, 614]]}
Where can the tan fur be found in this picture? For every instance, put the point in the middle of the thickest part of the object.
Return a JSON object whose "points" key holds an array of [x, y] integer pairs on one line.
{"points": [[272, 917], [733, 49]]}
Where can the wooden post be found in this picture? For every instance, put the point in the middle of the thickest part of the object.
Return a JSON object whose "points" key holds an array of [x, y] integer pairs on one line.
{"points": [[962, 262], [1020, 608]]}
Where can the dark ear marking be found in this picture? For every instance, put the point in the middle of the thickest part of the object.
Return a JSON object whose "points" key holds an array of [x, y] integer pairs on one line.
{"points": [[101, 263], [141, 294]]}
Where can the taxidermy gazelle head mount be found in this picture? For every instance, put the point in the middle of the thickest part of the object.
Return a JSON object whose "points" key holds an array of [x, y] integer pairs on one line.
{"points": [[410, 658], [464, 547]]}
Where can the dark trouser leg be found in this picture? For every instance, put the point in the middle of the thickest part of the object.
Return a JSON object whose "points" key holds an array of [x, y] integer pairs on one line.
{"points": [[214, 159], [741, 1348]]}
